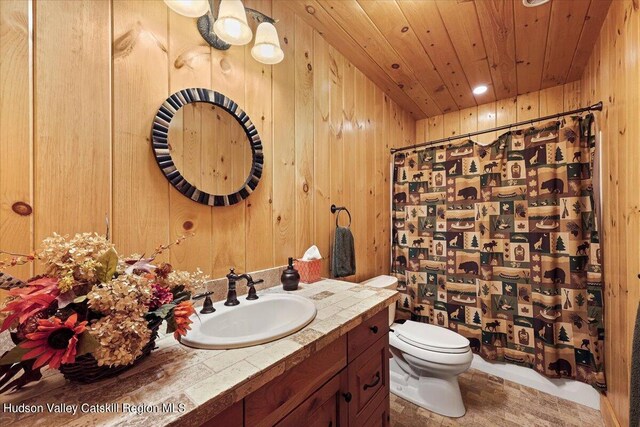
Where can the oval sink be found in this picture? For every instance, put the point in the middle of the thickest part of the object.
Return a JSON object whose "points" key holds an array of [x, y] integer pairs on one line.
{"points": [[266, 319]]}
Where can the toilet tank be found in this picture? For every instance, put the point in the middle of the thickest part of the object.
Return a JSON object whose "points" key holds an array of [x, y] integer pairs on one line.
{"points": [[386, 282]]}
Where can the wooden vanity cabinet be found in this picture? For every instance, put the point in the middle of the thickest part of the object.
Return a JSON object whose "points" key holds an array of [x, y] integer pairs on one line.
{"points": [[230, 417], [368, 377], [344, 384], [325, 407]]}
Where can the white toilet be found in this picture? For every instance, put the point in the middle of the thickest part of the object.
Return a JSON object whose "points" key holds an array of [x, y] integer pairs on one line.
{"points": [[427, 360]]}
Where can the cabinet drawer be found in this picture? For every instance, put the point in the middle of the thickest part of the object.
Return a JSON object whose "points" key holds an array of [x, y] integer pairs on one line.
{"points": [[368, 381], [362, 337], [324, 408]]}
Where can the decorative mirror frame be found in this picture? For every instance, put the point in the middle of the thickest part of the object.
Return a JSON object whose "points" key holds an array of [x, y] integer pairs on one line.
{"points": [[162, 153]]}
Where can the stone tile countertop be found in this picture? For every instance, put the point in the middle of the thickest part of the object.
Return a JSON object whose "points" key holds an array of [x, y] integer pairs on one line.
{"points": [[178, 385]]}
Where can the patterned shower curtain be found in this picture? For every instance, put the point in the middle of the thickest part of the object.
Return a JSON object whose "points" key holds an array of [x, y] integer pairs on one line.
{"points": [[499, 243]]}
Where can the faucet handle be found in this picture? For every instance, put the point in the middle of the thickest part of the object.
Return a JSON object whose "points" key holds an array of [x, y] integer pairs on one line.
{"points": [[202, 295], [252, 290], [207, 306]]}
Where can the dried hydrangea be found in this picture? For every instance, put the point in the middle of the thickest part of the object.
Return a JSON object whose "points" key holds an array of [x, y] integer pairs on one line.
{"points": [[128, 294], [189, 281], [73, 259], [121, 339]]}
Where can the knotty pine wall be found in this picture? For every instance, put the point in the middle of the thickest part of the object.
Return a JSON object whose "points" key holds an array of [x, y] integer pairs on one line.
{"points": [[613, 76], [80, 83], [503, 112]]}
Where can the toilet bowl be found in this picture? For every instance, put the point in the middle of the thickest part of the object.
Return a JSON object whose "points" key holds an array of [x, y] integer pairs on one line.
{"points": [[426, 362]]}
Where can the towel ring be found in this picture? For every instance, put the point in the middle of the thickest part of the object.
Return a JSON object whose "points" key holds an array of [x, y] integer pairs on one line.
{"points": [[337, 209]]}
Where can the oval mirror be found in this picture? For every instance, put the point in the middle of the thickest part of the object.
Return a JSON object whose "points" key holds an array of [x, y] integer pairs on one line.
{"points": [[207, 147]]}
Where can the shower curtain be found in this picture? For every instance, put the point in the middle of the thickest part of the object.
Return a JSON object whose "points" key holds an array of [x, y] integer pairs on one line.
{"points": [[500, 244]]}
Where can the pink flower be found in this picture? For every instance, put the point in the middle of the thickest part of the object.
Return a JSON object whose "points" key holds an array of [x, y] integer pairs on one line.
{"points": [[161, 296]]}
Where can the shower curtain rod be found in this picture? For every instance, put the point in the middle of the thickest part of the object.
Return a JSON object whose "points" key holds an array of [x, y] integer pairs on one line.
{"points": [[594, 107]]}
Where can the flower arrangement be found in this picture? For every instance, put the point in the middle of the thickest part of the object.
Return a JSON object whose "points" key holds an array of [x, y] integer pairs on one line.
{"points": [[92, 305]]}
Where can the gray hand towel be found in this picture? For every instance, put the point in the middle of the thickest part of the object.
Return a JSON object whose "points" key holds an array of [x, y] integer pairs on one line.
{"points": [[344, 256], [634, 401]]}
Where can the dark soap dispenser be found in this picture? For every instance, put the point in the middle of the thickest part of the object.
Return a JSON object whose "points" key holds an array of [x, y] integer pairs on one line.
{"points": [[290, 277]]}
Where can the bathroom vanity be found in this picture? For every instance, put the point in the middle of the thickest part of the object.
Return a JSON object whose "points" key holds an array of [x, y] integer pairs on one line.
{"points": [[333, 372], [344, 384]]}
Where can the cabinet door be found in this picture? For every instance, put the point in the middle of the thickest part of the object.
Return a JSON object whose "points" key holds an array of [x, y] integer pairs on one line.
{"points": [[326, 407], [368, 381], [273, 401], [230, 417], [381, 415]]}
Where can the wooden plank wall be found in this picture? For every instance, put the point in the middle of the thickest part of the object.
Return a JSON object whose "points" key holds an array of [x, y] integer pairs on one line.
{"points": [[612, 75], [74, 140], [503, 112]]}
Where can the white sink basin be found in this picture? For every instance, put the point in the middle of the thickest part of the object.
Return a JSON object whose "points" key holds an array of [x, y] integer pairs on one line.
{"points": [[266, 319]]}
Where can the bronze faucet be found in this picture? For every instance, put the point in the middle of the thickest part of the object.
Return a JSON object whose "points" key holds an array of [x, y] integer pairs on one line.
{"points": [[207, 307], [232, 296]]}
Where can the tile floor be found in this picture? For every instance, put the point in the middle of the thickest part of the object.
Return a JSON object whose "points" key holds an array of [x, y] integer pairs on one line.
{"points": [[492, 401]]}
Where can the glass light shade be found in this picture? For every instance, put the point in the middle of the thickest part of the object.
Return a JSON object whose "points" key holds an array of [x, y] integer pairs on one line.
{"points": [[267, 46], [231, 25], [189, 8]]}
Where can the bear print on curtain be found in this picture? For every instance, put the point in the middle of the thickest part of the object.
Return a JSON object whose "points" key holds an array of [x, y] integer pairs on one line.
{"points": [[499, 243]]}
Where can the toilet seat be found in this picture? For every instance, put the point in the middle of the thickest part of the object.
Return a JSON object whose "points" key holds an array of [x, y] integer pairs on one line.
{"points": [[448, 352], [432, 338]]}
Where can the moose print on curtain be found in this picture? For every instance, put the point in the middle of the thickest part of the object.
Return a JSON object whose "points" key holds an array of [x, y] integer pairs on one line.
{"points": [[499, 243]]}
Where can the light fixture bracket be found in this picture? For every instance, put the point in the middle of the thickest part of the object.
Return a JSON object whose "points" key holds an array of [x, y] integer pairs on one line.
{"points": [[205, 25], [259, 16]]}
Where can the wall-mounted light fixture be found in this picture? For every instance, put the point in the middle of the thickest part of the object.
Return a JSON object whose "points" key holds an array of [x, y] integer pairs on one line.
{"points": [[230, 27]]}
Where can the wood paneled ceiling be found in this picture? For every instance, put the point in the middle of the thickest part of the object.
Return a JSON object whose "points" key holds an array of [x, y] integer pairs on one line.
{"points": [[429, 54]]}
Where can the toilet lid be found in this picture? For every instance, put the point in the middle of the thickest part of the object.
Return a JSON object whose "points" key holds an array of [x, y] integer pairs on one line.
{"points": [[431, 337], [382, 282]]}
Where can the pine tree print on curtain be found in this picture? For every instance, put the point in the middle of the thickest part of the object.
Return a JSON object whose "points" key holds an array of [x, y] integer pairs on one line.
{"points": [[499, 243]]}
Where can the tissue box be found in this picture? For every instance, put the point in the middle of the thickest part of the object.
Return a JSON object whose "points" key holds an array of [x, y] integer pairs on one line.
{"points": [[309, 270]]}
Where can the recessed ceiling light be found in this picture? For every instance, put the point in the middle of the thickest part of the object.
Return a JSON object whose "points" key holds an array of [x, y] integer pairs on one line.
{"points": [[479, 90]]}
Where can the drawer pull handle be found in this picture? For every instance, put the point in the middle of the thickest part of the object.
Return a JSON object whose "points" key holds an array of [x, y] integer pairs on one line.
{"points": [[347, 397], [374, 329], [374, 383], [330, 423]]}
